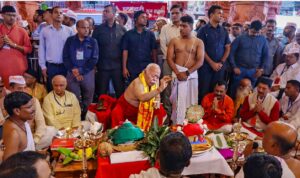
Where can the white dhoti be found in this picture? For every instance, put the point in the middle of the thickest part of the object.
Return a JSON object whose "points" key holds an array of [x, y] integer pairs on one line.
{"points": [[184, 94], [30, 142]]}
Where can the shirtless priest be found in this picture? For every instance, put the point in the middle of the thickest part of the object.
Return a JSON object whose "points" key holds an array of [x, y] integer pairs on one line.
{"points": [[140, 102], [185, 55], [17, 136]]}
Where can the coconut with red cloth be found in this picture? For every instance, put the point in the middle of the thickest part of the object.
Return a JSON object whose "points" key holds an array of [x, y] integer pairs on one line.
{"points": [[194, 130]]}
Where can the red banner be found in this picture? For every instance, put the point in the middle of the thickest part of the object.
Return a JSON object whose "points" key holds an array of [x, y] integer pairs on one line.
{"points": [[153, 9]]}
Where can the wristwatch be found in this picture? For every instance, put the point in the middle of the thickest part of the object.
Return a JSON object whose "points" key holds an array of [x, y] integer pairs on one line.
{"points": [[187, 73]]}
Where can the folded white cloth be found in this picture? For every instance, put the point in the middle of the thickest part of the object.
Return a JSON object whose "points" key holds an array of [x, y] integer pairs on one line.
{"points": [[129, 156]]}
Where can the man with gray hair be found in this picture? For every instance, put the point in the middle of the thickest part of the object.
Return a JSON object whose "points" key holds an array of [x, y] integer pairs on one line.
{"points": [[294, 44], [279, 139], [289, 32], [140, 102], [61, 107]]}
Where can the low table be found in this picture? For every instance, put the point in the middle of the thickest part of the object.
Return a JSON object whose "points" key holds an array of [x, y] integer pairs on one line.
{"points": [[74, 169], [119, 170], [210, 162]]}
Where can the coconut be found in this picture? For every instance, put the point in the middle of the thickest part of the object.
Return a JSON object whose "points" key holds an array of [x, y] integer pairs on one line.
{"points": [[105, 149]]}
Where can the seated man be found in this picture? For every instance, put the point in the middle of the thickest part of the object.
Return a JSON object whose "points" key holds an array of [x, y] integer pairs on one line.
{"points": [[61, 107], [290, 70], [141, 99], [174, 154], [17, 136], [26, 159], [42, 134], [278, 140], [34, 88], [262, 166], [290, 105], [244, 89], [219, 110], [260, 108], [24, 172]]}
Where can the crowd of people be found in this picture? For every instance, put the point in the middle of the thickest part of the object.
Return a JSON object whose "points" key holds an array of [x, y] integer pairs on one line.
{"points": [[233, 71]]}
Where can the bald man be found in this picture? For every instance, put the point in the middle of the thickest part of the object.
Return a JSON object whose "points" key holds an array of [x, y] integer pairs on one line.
{"points": [[80, 56], [141, 100], [244, 89], [279, 140], [61, 107]]}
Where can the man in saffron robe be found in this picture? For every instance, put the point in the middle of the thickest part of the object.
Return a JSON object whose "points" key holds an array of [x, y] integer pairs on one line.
{"points": [[244, 89], [260, 108], [14, 45], [219, 109], [140, 102]]}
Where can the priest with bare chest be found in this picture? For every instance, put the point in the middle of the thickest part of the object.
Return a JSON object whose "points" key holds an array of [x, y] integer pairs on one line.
{"points": [[185, 55]]}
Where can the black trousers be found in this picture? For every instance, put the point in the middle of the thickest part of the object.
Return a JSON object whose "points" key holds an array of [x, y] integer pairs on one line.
{"points": [[102, 81]]}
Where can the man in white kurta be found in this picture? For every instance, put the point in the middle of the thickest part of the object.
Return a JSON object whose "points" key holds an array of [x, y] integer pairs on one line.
{"points": [[290, 70], [185, 56], [290, 105]]}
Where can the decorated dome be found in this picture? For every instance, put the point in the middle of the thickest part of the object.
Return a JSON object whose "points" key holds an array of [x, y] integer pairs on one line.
{"points": [[194, 113], [126, 133], [192, 129]]}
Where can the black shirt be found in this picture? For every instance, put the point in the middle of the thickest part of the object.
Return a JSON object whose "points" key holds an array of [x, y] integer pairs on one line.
{"points": [[109, 42], [215, 40], [139, 46]]}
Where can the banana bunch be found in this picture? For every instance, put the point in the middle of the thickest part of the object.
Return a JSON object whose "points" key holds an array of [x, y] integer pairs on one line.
{"points": [[76, 155]]}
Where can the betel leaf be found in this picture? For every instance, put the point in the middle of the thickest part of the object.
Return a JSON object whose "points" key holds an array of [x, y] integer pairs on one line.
{"points": [[155, 124], [219, 141], [152, 140], [67, 160]]}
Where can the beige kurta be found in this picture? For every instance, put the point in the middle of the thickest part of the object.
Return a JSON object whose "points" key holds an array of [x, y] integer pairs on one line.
{"points": [[62, 112], [150, 173]]}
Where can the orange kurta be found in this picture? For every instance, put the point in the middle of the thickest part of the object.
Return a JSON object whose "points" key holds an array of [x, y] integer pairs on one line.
{"points": [[219, 117], [13, 61]]}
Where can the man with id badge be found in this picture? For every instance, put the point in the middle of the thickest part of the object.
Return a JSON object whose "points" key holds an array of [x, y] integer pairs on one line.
{"points": [[80, 55], [14, 45]]}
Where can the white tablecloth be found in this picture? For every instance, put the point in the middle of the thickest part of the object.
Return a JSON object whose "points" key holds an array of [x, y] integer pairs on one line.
{"points": [[211, 162]]}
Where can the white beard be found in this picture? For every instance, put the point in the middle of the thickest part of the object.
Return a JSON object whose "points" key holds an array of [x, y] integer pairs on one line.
{"points": [[242, 93]]}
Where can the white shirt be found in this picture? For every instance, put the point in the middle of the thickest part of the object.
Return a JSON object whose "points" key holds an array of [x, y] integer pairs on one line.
{"points": [[52, 43], [286, 172], [168, 32], [231, 37], [292, 111], [150, 173], [286, 74]]}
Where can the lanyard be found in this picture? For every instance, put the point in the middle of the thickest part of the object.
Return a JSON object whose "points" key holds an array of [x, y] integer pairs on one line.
{"points": [[59, 102], [8, 31], [283, 70], [290, 105]]}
